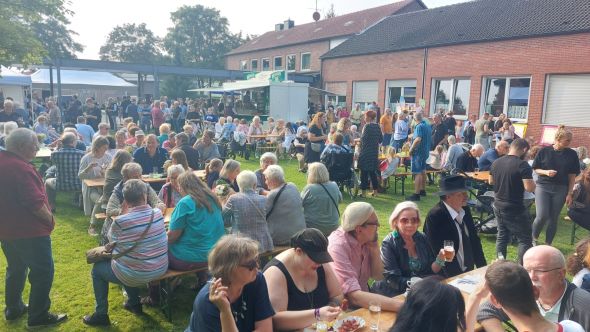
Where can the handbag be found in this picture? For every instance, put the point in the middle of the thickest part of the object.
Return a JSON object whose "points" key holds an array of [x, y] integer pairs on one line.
{"points": [[331, 198], [103, 253], [315, 147]]}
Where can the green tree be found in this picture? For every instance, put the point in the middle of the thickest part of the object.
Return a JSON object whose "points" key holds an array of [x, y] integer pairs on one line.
{"points": [[132, 43], [200, 37], [176, 86], [330, 12], [57, 38], [18, 41]]}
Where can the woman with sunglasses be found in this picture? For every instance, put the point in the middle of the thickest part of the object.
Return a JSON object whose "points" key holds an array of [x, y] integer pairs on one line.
{"points": [[236, 299], [405, 251], [302, 284]]}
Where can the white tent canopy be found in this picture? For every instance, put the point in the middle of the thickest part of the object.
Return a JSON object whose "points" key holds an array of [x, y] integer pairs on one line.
{"points": [[80, 77], [9, 77]]}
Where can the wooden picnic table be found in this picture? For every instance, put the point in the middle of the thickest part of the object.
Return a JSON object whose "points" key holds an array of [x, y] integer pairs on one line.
{"points": [[168, 215], [201, 174], [263, 136], [100, 182], [482, 176], [44, 153], [387, 318]]}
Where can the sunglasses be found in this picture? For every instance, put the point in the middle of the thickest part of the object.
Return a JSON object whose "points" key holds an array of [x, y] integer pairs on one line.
{"points": [[252, 264]]}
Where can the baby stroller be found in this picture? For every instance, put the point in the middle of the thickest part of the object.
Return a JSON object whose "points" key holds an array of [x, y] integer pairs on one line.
{"points": [[237, 146], [484, 203], [339, 167]]}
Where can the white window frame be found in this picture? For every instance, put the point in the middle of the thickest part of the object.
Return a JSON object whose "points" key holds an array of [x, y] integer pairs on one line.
{"points": [[399, 83], [482, 105], [262, 64], [452, 99], [274, 63], [252, 67], [287, 62], [301, 58]]}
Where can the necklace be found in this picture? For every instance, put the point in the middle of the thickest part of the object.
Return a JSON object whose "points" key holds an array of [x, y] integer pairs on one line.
{"points": [[239, 313], [309, 298]]}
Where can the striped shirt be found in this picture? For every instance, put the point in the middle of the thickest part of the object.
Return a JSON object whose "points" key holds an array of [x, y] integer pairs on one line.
{"points": [[149, 259]]}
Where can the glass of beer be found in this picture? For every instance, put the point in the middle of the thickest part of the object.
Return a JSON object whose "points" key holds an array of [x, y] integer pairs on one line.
{"points": [[449, 249]]}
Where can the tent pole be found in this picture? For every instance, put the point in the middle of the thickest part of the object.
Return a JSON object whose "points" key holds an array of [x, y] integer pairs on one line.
{"points": [[58, 69], [51, 80]]}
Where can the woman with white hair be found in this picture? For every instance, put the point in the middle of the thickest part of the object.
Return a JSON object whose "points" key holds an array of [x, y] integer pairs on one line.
{"points": [[284, 207], [405, 251], [245, 212], [299, 144], [320, 199], [169, 194], [267, 159]]}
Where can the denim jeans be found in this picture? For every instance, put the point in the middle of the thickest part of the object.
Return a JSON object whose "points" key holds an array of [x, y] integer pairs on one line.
{"points": [[35, 255], [513, 223], [549, 200], [102, 274]]}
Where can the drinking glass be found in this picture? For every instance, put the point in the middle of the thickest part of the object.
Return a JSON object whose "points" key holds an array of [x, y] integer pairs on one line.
{"points": [[154, 172], [374, 313], [449, 249], [476, 171], [321, 326]]}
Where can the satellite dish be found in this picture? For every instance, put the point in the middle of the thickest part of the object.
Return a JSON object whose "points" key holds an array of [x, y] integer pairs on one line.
{"points": [[316, 16]]}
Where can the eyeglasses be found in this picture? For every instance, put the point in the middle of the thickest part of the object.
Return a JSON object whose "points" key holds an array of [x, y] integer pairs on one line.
{"points": [[529, 270], [252, 264], [409, 221], [376, 223]]}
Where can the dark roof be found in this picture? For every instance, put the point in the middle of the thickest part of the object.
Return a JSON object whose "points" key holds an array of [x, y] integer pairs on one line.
{"points": [[469, 22], [342, 25]]}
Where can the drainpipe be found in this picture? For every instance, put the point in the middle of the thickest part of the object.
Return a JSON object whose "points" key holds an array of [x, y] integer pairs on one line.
{"points": [[424, 66]]}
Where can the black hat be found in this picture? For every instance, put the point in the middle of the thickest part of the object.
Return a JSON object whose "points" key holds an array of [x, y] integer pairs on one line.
{"points": [[452, 184], [313, 243]]}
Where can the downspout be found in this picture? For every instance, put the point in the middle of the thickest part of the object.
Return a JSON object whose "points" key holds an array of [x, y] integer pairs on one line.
{"points": [[424, 66]]}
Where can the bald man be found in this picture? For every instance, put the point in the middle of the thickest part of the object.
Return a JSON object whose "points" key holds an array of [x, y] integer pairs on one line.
{"points": [[558, 298], [485, 161]]}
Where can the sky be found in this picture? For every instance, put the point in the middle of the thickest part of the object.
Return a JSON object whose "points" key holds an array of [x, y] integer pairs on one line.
{"points": [[93, 20]]}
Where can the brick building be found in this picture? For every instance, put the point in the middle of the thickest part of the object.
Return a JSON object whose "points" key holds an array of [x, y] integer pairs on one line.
{"points": [[529, 59], [298, 48]]}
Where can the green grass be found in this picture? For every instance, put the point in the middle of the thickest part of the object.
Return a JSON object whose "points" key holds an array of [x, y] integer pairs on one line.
{"points": [[72, 287]]}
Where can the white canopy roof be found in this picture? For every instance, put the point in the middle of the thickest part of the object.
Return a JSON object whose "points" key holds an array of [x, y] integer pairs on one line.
{"points": [[9, 77], [80, 77]]}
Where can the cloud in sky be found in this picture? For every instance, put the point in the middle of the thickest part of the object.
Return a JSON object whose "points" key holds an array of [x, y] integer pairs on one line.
{"points": [[93, 20]]}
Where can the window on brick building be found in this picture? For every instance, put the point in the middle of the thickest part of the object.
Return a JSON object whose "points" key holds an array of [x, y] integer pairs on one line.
{"points": [[278, 63], [451, 94], [254, 64], [291, 62], [364, 93], [265, 64], [305, 61], [401, 93], [509, 95], [567, 100], [244, 65]]}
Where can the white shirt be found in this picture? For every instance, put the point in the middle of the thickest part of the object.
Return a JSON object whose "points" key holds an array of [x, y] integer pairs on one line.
{"points": [[577, 280], [458, 216], [552, 314]]}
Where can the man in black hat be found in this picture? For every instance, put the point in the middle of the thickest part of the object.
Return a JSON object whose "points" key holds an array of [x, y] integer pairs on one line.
{"points": [[451, 219]]}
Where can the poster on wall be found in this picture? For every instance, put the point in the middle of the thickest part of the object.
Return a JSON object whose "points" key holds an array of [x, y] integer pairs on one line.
{"points": [[548, 135], [520, 129]]}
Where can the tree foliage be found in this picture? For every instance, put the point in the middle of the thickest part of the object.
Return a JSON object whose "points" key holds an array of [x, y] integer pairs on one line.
{"points": [[200, 36], [330, 12], [132, 43], [19, 42], [176, 86], [57, 39]]}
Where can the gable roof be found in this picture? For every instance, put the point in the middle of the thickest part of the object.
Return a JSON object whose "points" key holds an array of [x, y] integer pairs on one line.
{"points": [[470, 22], [343, 25]]}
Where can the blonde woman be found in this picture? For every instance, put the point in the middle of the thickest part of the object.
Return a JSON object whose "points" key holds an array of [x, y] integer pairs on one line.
{"points": [[320, 200], [316, 138]]}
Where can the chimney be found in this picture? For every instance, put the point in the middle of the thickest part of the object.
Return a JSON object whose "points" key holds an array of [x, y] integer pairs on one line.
{"points": [[289, 24], [279, 27]]}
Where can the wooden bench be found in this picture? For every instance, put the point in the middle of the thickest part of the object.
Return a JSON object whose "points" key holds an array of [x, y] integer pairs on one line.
{"points": [[101, 216], [167, 289]]}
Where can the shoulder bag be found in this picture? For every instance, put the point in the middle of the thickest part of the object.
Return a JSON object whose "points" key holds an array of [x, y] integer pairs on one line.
{"points": [[274, 202], [331, 198], [103, 253]]}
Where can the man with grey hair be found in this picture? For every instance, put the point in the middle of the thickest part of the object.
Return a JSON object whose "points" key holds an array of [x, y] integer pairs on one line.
{"points": [[284, 207], [558, 299], [8, 113], [67, 163], [25, 229], [467, 162], [455, 150], [54, 115], [103, 130], [116, 206], [267, 159], [420, 151], [354, 247]]}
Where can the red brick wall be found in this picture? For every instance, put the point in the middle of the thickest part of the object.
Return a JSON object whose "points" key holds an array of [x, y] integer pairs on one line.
{"points": [[316, 49], [534, 57]]}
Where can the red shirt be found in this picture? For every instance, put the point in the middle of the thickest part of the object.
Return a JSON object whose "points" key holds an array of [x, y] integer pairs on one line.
{"points": [[22, 191]]}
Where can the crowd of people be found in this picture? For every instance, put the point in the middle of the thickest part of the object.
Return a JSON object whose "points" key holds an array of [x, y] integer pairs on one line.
{"points": [[227, 219]]}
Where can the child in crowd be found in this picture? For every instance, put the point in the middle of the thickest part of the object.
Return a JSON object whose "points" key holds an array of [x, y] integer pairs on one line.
{"points": [[164, 132], [212, 169], [434, 162], [389, 165]]}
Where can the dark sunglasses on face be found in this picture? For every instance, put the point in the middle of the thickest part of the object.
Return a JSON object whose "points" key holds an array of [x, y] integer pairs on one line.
{"points": [[251, 264]]}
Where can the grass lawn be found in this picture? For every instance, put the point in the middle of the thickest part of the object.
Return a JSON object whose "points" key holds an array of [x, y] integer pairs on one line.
{"points": [[72, 286]]}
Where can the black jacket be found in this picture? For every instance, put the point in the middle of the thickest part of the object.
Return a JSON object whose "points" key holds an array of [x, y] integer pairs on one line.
{"points": [[439, 226], [466, 162]]}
